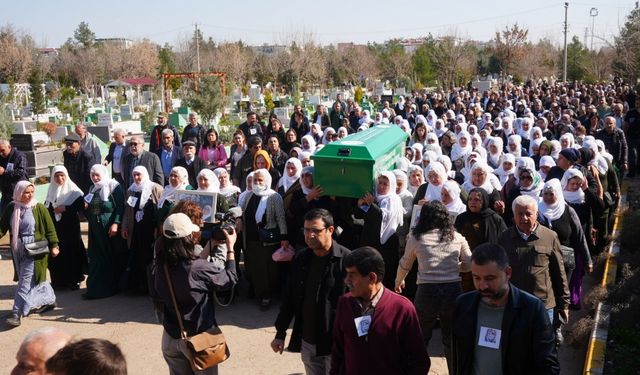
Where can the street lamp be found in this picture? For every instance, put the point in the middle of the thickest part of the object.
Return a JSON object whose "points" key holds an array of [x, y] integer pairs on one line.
{"points": [[593, 13]]}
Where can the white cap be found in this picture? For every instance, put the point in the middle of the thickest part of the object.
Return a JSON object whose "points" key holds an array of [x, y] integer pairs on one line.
{"points": [[178, 225]]}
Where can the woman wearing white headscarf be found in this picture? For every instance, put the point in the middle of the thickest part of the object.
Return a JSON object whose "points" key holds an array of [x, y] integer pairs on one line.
{"points": [[436, 177], [514, 146], [432, 144], [416, 178], [64, 202], [382, 214], [567, 141], [546, 163], [450, 197], [578, 195], [527, 182], [247, 192], [288, 185], [138, 226], [327, 136], [227, 188], [507, 168], [462, 147], [558, 216], [263, 211], [315, 132], [178, 180], [28, 221], [308, 144], [440, 128], [496, 150], [207, 181], [107, 251]]}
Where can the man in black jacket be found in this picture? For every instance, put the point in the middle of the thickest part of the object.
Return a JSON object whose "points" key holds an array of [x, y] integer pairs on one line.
{"points": [[191, 162], [13, 168], [316, 281], [78, 162], [499, 324]]}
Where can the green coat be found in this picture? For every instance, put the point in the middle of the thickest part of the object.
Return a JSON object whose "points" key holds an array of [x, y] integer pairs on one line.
{"points": [[44, 230]]}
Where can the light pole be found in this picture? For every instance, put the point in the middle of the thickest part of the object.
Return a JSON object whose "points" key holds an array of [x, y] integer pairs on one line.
{"points": [[564, 70], [593, 13]]}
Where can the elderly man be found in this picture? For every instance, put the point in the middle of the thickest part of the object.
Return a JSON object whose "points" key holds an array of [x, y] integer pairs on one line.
{"points": [[78, 162], [318, 267], [88, 144], [615, 143], [169, 153], [191, 162], [13, 168], [138, 156], [536, 258], [498, 328], [194, 132], [155, 143], [376, 331], [37, 348], [118, 149]]}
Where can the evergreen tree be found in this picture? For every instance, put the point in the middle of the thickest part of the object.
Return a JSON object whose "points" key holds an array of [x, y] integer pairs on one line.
{"points": [[37, 93]]}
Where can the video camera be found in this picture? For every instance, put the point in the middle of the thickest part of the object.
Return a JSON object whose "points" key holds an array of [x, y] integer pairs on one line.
{"points": [[225, 221]]}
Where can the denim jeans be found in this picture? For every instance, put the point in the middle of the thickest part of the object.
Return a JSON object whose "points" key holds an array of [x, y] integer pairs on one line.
{"points": [[435, 301]]}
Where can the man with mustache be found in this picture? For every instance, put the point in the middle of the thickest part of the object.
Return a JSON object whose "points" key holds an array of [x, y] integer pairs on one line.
{"points": [[499, 328]]}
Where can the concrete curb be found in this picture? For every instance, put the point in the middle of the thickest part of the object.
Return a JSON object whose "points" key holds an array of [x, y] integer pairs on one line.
{"points": [[597, 348]]}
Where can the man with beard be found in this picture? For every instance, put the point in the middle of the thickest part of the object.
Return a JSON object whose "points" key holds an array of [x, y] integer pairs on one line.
{"points": [[500, 324]]}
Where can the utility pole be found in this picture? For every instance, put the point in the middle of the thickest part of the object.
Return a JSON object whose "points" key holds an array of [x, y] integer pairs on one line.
{"points": [[586, 36], [197, 47], [593, 13], [564, 70]]}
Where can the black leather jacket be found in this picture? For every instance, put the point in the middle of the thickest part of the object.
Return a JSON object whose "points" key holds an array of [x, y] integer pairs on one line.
{"points": [[527, 344]]}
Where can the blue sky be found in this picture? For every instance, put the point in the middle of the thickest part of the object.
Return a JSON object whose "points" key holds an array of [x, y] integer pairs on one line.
{"points": [[325, 21]]}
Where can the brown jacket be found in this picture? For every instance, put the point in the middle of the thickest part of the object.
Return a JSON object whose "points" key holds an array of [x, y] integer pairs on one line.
{"points": [[537, 265]]}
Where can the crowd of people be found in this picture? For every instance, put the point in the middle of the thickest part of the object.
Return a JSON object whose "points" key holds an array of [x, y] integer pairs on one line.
{"points": [[535, 168]]}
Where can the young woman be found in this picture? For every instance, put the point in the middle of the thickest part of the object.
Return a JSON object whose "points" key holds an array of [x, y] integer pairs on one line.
{"points": [[212, 151]]}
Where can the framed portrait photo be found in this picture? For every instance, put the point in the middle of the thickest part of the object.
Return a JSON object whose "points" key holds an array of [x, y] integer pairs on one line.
{"points": [[206, 200]]}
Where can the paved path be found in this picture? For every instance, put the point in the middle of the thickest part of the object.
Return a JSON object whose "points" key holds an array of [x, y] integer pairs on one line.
{"points": [[129, 321]]}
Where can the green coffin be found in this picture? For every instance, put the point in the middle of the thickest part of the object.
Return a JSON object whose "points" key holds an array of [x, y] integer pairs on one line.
{"points": [[348, 167]]}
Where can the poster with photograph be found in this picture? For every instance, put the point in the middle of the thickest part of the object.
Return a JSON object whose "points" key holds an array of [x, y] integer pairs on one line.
{"points": [[206, 200], [415, 215]]}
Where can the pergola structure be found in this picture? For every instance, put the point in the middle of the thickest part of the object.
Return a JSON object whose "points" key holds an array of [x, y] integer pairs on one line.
{"points": [[193, 75]]}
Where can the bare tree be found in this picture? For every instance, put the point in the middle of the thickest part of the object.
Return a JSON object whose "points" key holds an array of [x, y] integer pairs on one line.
{"points": [[16, 56], [510, 46], [538, 61], [453, 59]]}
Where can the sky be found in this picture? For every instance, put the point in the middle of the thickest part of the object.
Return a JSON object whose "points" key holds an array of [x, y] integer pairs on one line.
{"points": [[257, 22]]}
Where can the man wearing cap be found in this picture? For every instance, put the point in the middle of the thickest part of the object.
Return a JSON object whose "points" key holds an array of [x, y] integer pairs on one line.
{"points": [[191, 162], [155, 143], [78, 162], [138, 156], [13, 168]]}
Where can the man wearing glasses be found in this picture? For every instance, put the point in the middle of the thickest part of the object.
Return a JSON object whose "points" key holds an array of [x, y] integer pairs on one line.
{"points": [[138, 156], [316, 280], [78, 162]]}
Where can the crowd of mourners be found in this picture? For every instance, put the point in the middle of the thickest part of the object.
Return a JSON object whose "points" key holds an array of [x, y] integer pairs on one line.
{"points": [[535, 168]]}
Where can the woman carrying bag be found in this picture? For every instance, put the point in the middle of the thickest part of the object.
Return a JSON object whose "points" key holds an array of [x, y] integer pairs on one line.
{"points": [[29, 223], [186, 284]]}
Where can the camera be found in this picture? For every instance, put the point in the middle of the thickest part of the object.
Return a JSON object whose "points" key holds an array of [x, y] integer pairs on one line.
{"points": [[225, 221]]}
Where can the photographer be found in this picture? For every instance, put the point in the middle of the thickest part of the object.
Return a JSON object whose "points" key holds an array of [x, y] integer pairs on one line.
{"points": [[194, 281]]}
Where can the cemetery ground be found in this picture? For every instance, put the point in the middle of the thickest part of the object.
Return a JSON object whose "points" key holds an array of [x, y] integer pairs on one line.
{"points": [[129, 321]]}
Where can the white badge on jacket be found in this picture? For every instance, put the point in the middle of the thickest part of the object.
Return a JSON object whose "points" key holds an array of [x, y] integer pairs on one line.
{"points": [[362, 325], [132, 201], [489, 337]]}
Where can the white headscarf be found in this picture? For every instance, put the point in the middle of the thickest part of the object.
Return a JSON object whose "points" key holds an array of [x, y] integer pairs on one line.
{"points": [[456, 206], [572, 196], [571, 141], [214, 184], [391, 206], [326, 138], [494, 158], [144, 187], [433, 191], [486, 185], [545, 161], [458, 151], [61, 195], [287, 181], [311, 142], [264, 195], [517, 140], [243, 196], [552, 211], [527, 164], [105, 185], [169, 192], [306, 170], [412, 168], [598, 160], [440, 128], [555, 149], [230, 189]]}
